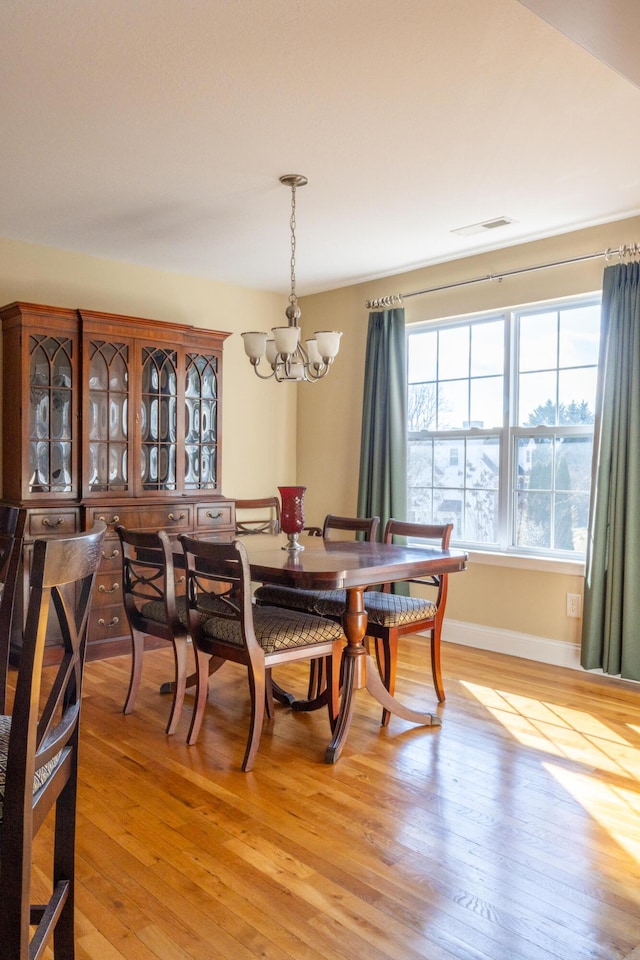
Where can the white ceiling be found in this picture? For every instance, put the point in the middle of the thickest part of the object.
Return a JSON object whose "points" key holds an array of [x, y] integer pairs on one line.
{"points": [[154, 131]]}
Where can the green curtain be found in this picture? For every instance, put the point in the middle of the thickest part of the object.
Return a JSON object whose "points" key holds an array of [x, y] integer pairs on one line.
{"points": [[382, 488], [611, 624]]}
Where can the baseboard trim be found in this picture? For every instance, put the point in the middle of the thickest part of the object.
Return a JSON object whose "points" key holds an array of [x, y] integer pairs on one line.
{"points": [[556, 652]]}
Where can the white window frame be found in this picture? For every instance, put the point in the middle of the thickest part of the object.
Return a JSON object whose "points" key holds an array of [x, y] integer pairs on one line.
{"points": [[505, 551]]}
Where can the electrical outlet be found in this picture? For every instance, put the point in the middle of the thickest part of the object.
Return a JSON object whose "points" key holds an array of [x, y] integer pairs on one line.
{"points": [[574, 605]]}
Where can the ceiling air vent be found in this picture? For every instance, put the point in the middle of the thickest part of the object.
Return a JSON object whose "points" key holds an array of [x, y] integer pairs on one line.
{"points": [[481, 227]]}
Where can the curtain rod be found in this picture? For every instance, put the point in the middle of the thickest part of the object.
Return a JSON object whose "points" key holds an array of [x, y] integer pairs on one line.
{"points": [[626, 250]]}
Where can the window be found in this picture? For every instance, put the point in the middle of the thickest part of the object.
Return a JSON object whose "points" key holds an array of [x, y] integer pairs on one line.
{"points": [[500, 421]]}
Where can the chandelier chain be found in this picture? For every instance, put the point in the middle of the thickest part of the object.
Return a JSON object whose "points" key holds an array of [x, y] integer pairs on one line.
{"points": [[292, 224]]}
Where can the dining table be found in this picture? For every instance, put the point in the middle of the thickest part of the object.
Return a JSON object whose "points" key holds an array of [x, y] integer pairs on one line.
{"points": [[351, 566]]}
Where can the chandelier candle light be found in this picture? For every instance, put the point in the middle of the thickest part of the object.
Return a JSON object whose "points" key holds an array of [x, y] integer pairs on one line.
{"points": [[292, 516], [285, 354]]}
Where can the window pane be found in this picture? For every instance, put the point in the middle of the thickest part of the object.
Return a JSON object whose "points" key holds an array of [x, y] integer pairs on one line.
{"points": [[577, 395], [535, 463], [486, 402], [537, 399], [422, 406], [448, 463], [538, 341], [447, 508], [453, 405], [483, 463], [573, 464], [422, 356], [481, 516], [453, 353], [533, 520], [579, 336], [487, 348], [420, 463], [420, 505]]}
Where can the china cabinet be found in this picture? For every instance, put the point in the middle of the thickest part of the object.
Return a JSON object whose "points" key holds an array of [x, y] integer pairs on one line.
{"points": [[110, 417]]}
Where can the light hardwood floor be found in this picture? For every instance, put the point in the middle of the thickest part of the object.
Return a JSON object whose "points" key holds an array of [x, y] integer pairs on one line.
{"points": [[511, 833]]}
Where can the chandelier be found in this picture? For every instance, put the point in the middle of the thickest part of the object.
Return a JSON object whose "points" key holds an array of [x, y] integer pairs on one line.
{"points": [[286, 355]]}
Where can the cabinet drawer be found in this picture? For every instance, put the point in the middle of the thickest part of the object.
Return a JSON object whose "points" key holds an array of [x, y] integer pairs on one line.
{"points": [[41, 523], [209, 516], [111, 558], [168, 516], [108, 588], [107, 622]]}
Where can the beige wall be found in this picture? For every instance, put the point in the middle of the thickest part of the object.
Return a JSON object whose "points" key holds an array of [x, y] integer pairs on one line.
{"points": [[256, 457], [508, 598]]}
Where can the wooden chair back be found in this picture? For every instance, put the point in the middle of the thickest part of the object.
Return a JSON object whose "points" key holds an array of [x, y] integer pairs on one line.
{"points": [[40, 747], [12, 521], [437, 534], [334, 527], [267, 521]]}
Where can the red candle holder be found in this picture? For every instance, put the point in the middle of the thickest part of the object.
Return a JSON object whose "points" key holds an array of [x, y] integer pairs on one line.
{"points": [[292, 516]]}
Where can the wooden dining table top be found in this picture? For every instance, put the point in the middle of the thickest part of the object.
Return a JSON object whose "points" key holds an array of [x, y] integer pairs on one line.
{"points": [[334, 564]]}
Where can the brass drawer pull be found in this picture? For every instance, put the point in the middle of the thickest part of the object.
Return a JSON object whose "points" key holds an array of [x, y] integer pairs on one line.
{"points": [[177, 519], [214, 516], [48, 523], [116, 553], [110, 523], [103, 589], [103, 623]]}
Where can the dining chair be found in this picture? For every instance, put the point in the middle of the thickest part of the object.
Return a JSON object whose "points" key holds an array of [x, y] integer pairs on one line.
{"points": [[218, 576], [153, 609], [391, 616], [39, 749], [12, 522], [268, 520]]}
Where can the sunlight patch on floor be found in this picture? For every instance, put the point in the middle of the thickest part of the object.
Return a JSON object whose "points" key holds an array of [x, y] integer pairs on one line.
{"points": [[560, 731], [616, 809]]}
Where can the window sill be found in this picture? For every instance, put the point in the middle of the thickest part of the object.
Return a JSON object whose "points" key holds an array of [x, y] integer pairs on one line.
{"points": [[524, 562]]}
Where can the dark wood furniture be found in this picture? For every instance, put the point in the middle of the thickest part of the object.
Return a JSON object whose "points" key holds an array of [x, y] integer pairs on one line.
{"points": [[264, 516], [390, 616], [39, 749], [334, 565], [114, 418], [225, 625], [152, 609], [12, 521]]}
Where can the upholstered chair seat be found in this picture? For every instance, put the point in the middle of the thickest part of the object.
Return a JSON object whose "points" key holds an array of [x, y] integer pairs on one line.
{"points": [[275, 629]]}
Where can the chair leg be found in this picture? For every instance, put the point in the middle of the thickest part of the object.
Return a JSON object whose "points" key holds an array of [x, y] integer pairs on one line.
{"points": [[202, 692], [137, 656], [435, 664], [387, 658], [333, 670], [180, 654], [268, 695], [317, 678], [257, 682]]}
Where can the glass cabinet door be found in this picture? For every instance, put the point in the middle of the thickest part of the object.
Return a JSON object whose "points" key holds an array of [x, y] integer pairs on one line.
{"points": [[201, 422], [159, 419], [107, 410], [50, 419]]}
